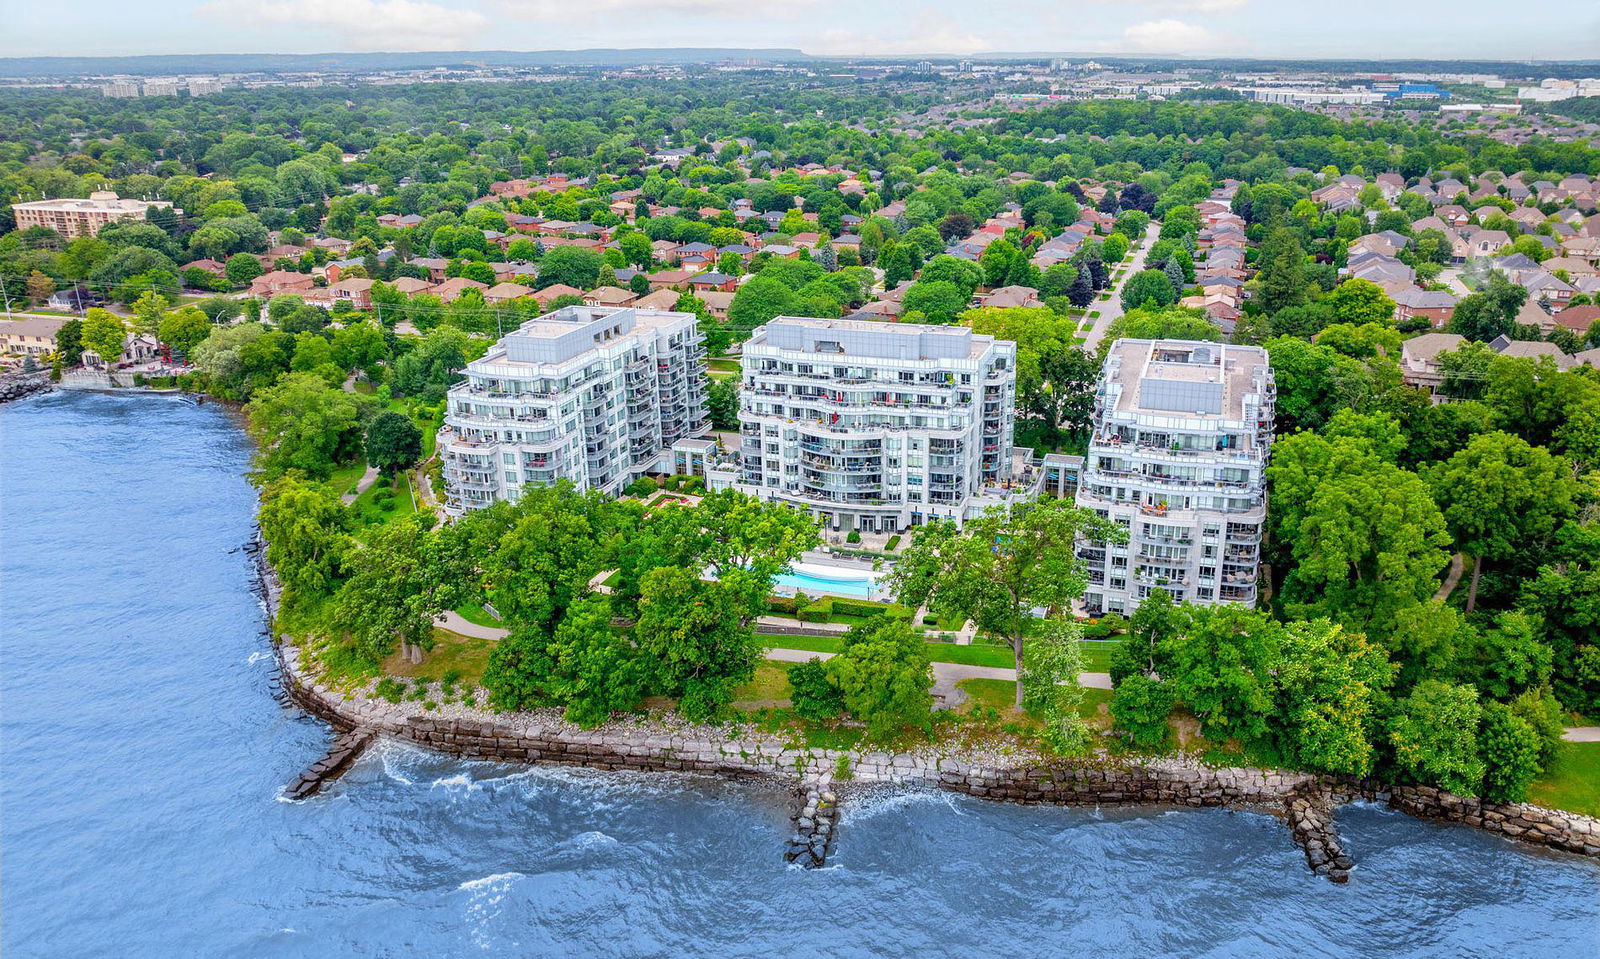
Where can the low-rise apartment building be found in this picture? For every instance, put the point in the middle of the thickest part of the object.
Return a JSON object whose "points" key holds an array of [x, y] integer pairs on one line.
{"points": [[875, 426], [73, 217], [1177, 457], [594, 395]]}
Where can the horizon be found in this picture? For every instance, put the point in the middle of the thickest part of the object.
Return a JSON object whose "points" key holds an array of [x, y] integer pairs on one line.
{"points": [[1206, 29]]}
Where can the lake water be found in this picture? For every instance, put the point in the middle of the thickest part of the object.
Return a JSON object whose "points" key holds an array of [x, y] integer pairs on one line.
{"points": [[142, 751]]}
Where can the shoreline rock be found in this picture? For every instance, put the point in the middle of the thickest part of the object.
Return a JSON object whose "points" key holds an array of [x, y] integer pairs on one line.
{"points": [[1305, 801]]}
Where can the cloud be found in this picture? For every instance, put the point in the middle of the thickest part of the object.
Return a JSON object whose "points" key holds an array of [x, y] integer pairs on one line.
{"points": [[565, 11], [1172, 36], [943, 39], [364, 24]]}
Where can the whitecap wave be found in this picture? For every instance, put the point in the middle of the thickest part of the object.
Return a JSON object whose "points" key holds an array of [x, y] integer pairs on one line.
{"points": [[866, 806], [256, 657], [489, 882]]}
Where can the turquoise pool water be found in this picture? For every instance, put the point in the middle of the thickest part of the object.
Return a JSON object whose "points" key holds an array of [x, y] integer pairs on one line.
{"points": [[842, 583]]}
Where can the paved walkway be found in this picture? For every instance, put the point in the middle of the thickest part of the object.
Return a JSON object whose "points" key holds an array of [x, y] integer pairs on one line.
{"points": [[454, 622], [1111, 309], [1582, 734], [947, 676], [362, 485]]}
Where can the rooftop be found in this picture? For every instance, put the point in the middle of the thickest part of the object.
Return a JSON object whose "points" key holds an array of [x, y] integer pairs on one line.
{"points": [[1186, 377]]}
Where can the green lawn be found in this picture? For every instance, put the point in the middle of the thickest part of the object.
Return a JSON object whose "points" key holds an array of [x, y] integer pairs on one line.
{"points": [[769, 687], [475, 614], [1573, 780], [938, 652], [384, 502], [1097, 654], [451, 651], [722, 366], [1001, 696]]}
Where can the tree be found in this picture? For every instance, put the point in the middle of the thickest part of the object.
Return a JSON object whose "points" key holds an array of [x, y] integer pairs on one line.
{"points": [[963, 273], [691, 631], [1283, 273], [1168, 324], [573, 265], [1490, 312], [402, 581], [393, 442], [241, 268], [69, 342], [1081, 292], [103, 334], [758, 300], [40, 288], [1434, 734], [1140, 709], [813, 692], [1360, 301], [184, 330], [1509, 747], [939, 301], [1325, 688], [956, 226], [307, 531], [1148, 289], [301, 423], [1001, 565], [883, 676], [1155, 624], [1052, 690], [722, 401], [1501, 498], [1222, 671], [1362, 538]]}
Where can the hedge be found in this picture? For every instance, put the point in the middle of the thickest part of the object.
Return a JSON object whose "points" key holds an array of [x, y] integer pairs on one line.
{"points": [[817, 612]]}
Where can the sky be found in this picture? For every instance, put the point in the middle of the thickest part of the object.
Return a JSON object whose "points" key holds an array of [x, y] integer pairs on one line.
{"points": [[1447, 29]]}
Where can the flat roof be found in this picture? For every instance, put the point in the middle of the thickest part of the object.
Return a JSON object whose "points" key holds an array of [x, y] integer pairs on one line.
{"points": [[1185, 377]]}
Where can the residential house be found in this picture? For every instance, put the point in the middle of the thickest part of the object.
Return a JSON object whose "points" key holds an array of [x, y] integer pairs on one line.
{"points": [[549, 294], [1578, 319], [609, 296], [1419, 358], [1411, 302], [30, 336], [281, 281], [356, 291], [410, 285], [451, 289], [1011, 297], [1531, 350], [505, 292]]}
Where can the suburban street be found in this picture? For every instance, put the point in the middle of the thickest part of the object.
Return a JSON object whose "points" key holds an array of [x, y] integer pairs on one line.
{"points": [[1112, 309]]}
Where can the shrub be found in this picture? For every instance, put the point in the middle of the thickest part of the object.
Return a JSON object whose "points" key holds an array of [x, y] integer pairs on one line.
{"points": [[642, 487], [817, 612], [892, 543], [898, 612], [859, 607], [783, 605], [814, 694], [1140, 710], [854, 536], [391, 690]]}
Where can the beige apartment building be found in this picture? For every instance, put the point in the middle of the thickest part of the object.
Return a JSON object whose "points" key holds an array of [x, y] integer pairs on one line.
{"points": [[73, 217]]}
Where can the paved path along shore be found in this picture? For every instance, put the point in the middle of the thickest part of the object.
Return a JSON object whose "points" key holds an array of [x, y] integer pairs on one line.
{"points": [[945, 675], [1581, 734]]}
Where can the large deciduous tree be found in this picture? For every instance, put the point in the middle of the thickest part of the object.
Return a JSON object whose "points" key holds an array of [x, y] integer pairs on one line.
{"points": [[1001, 565]]}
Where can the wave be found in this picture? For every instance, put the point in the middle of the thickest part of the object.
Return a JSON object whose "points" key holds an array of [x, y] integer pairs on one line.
{"points": [[489, 882], [864, 806]]}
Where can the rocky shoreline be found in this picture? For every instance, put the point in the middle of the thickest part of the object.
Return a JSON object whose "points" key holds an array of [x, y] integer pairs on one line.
{"points": [[1305, 801], [14, 386]]}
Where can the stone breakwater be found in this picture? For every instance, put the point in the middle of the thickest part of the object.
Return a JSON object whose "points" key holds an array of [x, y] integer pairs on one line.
{"points": [[14, 386]]}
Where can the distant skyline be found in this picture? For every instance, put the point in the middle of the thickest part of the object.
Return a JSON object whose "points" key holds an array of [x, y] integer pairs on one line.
{"points": [[1366, 29]]}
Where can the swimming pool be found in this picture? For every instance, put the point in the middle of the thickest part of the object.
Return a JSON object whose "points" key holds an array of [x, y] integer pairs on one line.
{"points": [[811, 578]]}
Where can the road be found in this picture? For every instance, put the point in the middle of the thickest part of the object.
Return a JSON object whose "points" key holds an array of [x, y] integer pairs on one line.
{"points": [[1112, 309]]}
